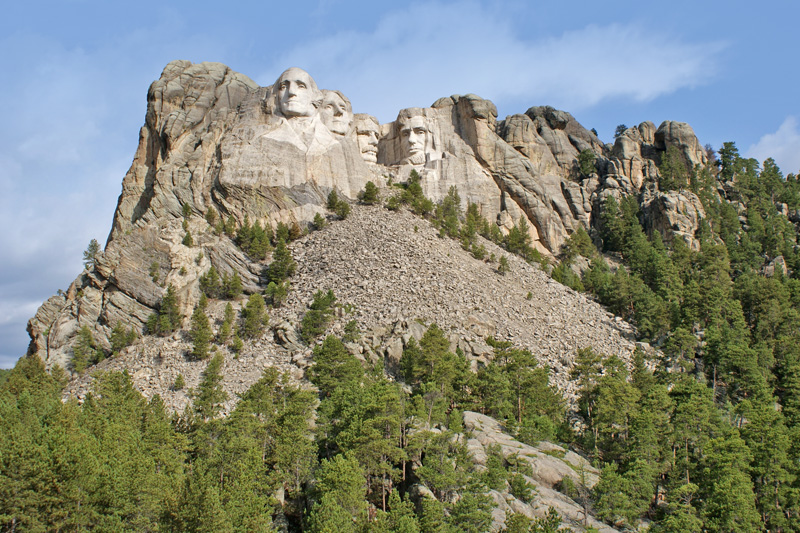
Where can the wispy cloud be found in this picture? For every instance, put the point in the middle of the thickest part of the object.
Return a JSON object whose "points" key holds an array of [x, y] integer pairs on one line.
{"points": [[426, 51], [783, 146]]}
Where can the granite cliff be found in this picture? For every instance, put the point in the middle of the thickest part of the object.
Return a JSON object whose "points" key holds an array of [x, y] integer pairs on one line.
{"points": [[214, 139]]}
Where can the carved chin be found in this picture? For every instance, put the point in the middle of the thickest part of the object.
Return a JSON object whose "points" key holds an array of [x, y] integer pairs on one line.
{"points": [[370, 156], [417, 158]]}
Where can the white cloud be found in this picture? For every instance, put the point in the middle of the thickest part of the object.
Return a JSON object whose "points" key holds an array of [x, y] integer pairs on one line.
{"points": [[431, 50], [783, 146]]}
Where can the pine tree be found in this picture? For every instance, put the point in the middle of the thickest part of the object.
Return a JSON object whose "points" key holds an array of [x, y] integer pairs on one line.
{"points": [[283, 265], [226, 329], [168, 318], [90, 254], [369, 195], [319, 315], [210, 394], [85, 351], [334, 367], [120, 338], [200, 332], [729, 502], [254, 316]]}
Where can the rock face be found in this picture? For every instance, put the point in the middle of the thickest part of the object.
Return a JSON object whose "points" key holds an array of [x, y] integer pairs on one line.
{"points": [[213, 138], [674, 214], [549, 463]]}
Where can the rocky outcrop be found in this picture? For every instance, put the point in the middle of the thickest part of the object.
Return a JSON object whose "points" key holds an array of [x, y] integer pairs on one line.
{"points": [[549, 465], [674, 214], [188, 110], [680, 135]]}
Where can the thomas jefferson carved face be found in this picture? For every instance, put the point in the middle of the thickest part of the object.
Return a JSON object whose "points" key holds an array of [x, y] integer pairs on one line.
{"points": [[414, 138], [336, 112], [367, 136], [297, 93]]}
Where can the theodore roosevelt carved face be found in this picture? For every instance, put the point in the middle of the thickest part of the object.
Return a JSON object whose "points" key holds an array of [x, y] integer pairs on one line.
{"points": [[297, 94], [367, 132], [414, 133], [336, 112]]}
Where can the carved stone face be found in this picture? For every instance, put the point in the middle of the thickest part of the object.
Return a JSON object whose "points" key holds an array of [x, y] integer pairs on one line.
{"points": [[414, 138], [335, 113], [367, 136], [296, 93]]}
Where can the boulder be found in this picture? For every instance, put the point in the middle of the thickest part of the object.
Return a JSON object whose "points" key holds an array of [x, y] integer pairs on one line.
{"points": [[674, 214]]}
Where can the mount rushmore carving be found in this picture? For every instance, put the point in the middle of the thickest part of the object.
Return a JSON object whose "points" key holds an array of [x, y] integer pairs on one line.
{"points": [[213, 138]]}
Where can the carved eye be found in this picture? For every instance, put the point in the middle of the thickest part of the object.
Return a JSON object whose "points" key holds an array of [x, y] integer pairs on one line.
{"points": [[301, 84]]}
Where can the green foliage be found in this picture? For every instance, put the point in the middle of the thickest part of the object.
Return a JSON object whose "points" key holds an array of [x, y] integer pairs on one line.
{"points": [[563, 274], [434, 371], [211, 216], [334, 366], [502, 265], [672, 170], [412, 196], [211, 284], [318, 316], [340, 482], [231, 286], [472, 513], [586, 162], [319, 222], [85, 351], [188, 240], [90, 254], [237, 344], [186, 211], [578, 244], [121, 338], [520, 488], [226, 329], [200, 331], [351, 332], [342, 209], [254, 317], [229, 227], [338, 205], [448, 214], [518, 240], [168, 317], [283, 266], [333, 200], [154, 271], [619, 130], [179, 382], [369, 195], [277, 292], [210, 394], [255, 239]]}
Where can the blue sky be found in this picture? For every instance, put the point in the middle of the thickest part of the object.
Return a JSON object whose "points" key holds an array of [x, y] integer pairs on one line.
{"points": [[76, 72]]}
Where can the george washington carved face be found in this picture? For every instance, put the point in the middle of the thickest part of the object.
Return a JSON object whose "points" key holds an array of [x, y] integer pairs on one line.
{"points": [[297, 94]]}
